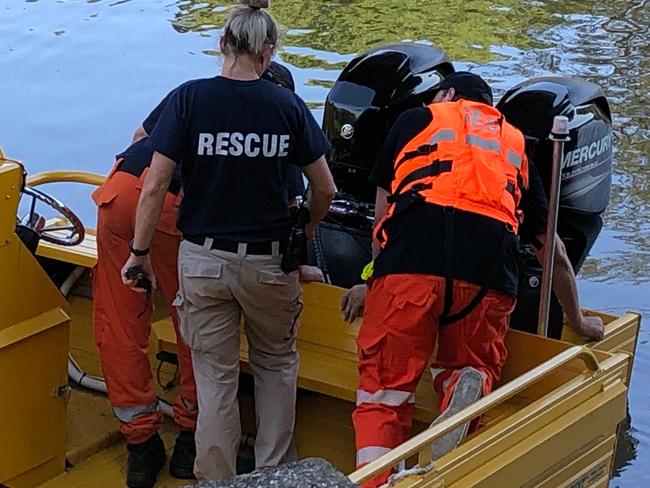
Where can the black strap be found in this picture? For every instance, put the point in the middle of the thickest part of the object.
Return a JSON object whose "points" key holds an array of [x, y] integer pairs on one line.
{"points": [[449, 261], [264, 248], [445, 318], [402, 203], [434, 169], [422, 150], [520, 181], [404, 199]]}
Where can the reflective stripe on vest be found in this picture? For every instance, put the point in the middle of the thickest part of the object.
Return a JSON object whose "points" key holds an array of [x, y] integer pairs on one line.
{"points": [[514, 158], [442, 135], [469, 158], [487, 144]]}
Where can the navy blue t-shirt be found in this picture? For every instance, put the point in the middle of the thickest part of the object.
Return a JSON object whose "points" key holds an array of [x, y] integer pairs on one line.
{"points": [[137, 157], [235, 141]]}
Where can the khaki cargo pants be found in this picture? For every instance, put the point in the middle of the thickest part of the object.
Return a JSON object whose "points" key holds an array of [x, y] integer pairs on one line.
{"points": [[215, 289]]}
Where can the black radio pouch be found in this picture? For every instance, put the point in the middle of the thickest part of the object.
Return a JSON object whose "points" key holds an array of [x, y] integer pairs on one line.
{"points": [[295, 249]]}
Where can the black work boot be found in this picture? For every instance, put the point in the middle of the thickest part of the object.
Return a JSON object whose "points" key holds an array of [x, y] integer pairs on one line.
{"points": [[144, 462], [181, 465]]}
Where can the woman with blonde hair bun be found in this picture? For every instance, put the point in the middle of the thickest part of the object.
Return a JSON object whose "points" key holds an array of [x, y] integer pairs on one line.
{"points": [[234, 137]]}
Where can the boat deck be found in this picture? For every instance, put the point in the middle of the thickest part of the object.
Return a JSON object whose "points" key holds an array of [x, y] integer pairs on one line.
{"points": [[96, 454]]}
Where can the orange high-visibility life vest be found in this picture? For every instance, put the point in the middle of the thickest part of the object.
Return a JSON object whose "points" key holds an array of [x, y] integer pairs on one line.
{"points": [[468, 158]]}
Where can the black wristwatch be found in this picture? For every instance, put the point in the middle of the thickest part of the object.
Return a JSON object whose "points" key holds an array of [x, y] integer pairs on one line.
{"points": [[137, 252]]}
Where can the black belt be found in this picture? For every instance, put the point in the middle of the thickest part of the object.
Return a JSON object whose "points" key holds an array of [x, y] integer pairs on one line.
{"points": [[254, 248], [136, 170]]}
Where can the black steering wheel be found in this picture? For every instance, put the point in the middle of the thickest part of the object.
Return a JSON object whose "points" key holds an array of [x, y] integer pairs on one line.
{"points": [[64, 233]]}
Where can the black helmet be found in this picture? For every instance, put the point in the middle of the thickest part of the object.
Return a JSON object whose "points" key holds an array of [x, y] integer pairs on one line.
{"points": [[280, 75]]}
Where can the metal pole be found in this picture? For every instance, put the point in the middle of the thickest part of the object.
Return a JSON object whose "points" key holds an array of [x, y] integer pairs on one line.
{"points": [[559, 135]]}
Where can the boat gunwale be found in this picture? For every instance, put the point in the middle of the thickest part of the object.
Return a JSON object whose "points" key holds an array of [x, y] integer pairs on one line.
{"points": [[610, 371]]}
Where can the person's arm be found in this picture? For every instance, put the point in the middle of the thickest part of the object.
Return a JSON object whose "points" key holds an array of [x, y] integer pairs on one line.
{"points": [[321, 195], [353, 301], [166, 137], [147, 215], [566, 290]]}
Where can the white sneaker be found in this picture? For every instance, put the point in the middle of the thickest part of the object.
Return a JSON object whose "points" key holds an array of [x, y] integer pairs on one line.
{"points": [[468, 390]]}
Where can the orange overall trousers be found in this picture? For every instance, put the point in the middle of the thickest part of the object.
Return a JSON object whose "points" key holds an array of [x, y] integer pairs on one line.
{"points": [[395, 344], [122, 317]]}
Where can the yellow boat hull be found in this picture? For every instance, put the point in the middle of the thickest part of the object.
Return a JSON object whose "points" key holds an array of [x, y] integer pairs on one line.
{"points": [[552, 421]]}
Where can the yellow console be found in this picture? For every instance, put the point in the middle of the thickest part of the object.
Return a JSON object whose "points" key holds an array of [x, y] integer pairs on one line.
{"points": [[33, 353]]}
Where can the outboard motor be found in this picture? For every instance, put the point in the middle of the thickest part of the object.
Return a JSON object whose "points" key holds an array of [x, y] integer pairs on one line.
{"points": [[371, 92], [586, 174]]}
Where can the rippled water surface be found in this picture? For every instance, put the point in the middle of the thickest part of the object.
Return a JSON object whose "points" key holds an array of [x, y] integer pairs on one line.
{"points": [[77, 77]]}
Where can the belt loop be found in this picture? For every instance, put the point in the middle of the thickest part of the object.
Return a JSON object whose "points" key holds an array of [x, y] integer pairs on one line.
{"points": [[207, 244], [275, 248], [241, 249]]}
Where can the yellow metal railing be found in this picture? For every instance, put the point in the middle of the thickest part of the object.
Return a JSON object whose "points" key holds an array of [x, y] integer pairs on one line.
{"points": [[421, 443], [66, 177]]}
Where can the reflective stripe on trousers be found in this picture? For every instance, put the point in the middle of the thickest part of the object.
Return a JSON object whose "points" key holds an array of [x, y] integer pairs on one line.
{"points": [[129, 414], [368, 454], [385, 397]]}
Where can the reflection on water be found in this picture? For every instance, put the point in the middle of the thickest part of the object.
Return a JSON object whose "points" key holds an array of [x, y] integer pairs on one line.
{"points": [[467, 30], [626, 446], [77, 77]]}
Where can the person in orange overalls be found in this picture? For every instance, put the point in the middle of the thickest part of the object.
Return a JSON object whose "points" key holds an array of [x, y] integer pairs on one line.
{"points": [[122, 320], [453, 179]]}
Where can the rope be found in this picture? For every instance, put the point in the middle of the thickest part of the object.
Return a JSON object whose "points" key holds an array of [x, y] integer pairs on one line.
{"points": [[405, 473]]}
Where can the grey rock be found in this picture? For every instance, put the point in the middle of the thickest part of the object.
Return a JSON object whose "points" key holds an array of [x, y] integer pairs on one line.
{"points": [[308, 473]]}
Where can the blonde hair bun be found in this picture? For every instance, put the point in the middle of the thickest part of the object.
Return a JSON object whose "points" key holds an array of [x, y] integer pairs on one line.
{"points": [[256, 3]]}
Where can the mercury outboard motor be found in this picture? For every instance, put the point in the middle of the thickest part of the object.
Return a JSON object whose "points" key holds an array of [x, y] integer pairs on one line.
{"points": [[371, 92], [586, 174]]}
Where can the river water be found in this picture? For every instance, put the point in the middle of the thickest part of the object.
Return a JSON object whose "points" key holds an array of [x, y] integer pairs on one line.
{"points": [[77, 77]]}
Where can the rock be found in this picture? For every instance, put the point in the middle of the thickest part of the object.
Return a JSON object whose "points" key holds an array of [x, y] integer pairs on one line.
{"points": [[308, 473]]}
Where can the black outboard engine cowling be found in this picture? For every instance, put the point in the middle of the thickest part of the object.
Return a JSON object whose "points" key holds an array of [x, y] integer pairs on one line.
{"points": [[586, 173], [371, 92]]}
